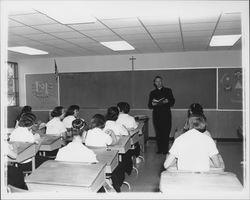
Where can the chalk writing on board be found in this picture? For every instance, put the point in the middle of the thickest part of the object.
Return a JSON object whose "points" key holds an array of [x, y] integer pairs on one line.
{"points": [[42, 90]]}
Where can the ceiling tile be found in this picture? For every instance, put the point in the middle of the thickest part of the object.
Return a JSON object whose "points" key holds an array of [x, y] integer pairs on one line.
{"points": [[227, 31], [55, 42], [197, 39], [229, 25], [107, 38], [12, 23], [198, 26], [67, 35], [121, 23], [136, 36], [101, 32], [16, 38], [23, 30], [80, 40], [200, 19], [197, 33], [230, 17], [51, 28], [163, 28], [90, 26], [21, 11], [130, 30], [166, 35], [163, 20], [33, 19], [168, 40], [42, 36]]}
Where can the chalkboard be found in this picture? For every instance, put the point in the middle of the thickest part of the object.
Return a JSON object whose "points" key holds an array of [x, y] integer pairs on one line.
{"points": [[104, 89], [188, 86], [95, 89], [41, 91], [230, 88]]}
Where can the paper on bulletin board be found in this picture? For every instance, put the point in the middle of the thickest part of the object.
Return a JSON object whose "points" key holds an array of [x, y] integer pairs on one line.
{"points": [[230, 88], [41, 91]]}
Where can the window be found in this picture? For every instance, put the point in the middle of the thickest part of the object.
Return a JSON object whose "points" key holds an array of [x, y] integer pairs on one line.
{"points": [[12, 84]]}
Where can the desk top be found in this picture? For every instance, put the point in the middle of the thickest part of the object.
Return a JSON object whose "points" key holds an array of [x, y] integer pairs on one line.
{"points": [[176, 182], [105, 156], [122, 146], [66, 173], [24, 151], [49, 139]]}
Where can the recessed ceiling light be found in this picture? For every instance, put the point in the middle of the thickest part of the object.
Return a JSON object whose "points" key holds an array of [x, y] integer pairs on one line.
{"points": [[27, 50], [224, 40], [118, 45]]}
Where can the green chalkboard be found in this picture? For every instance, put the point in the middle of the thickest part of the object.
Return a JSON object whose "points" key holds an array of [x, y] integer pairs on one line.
{"points": [[104, 89], [230, 88]]}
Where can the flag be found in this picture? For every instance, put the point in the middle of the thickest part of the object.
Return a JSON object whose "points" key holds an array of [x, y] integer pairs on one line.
{"points": [[56, 70]]}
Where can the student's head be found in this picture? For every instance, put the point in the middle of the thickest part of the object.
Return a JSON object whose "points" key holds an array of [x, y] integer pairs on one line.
{"points": [[197, 122], [112, 113], [195, 108], [26, 109], [27, 120], [158, 81], [78, 127], [73, 110], [123, 107], [97, 121], [58, 111]]}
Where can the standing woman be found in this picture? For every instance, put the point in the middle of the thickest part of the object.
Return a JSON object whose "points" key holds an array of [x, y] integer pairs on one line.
{"points": [[161, 100]]}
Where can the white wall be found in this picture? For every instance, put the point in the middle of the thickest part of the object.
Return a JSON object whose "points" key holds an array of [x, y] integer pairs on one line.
{"points": [[122, 63]]}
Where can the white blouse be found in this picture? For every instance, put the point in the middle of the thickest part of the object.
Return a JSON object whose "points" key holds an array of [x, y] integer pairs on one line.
{"points": [[55, 127], [98, 138]]}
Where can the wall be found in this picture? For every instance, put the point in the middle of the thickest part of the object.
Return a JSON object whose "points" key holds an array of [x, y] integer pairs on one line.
{"points": [[178, 60]]}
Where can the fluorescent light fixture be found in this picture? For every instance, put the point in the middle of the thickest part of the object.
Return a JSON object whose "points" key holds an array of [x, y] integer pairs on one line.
{"points": [[27, 50], [224, 40], [118, 45]]}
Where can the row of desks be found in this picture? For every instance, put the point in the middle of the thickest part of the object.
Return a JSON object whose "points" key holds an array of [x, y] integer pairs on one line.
{"points": [[57, 176]]}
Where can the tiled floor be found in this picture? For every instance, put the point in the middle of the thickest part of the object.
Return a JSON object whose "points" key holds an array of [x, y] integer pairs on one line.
{"points": [[149, 171]]}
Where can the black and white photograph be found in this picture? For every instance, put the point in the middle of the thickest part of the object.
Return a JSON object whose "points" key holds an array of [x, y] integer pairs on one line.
{"points": [[108, 99]]}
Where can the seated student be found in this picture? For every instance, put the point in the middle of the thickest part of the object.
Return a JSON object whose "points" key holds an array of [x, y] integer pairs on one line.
{"points": [[194, 109], [75, 151], [70, 115], [25, 109], [111, 117], [55, 126], [96, 136], [23, 134], [193, 149], [129, 122], [124, 118], [15, 176]]}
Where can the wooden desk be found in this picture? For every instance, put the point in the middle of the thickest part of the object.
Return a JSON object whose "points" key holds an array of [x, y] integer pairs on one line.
{"points": [[50, 143], [67, 177], [134, 136], [122, 146], [144, 120], [110, 158], [25, 151], [174, 183]]}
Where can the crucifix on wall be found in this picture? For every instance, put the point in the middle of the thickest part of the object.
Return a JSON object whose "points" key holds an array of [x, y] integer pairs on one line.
{"points": [[132, 61]]}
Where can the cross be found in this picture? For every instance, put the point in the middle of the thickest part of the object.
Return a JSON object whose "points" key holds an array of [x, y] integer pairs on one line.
{"points": [[132, 59]]}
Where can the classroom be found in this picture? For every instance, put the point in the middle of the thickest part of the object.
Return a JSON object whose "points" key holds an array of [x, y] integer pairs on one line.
{"points": [[125, 98]]}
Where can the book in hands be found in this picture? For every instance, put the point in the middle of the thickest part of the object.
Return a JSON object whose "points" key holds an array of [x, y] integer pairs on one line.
{"points": [[159, 100]]}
